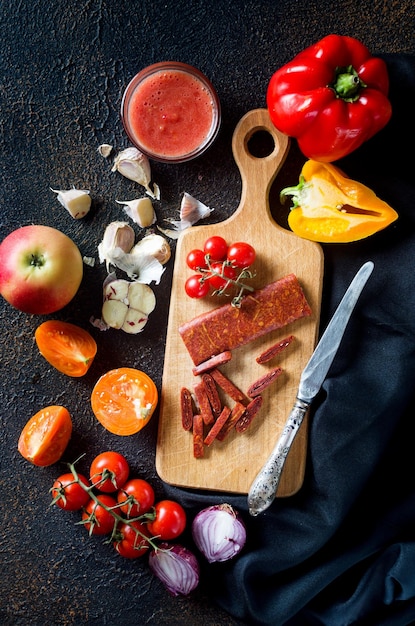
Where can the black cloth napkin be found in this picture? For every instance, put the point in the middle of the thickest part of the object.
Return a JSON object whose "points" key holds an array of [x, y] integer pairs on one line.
{"points": [[342, 550]]}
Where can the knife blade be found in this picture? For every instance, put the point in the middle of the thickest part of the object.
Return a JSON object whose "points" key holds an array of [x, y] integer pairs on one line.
{"points": [[265, 485]]}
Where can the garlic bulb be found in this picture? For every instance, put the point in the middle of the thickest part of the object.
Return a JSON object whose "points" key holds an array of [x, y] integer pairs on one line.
{"points": [[135, 166], [141, 211], [127, 305], [153, 245], [117, 236], [76, 201], [141, 267]]}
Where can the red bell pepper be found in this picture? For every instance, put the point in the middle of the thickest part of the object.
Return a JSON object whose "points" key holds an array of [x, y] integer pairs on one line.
{"points": [[331, 97]]}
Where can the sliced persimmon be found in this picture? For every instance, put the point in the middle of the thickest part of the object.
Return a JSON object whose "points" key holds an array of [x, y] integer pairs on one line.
{"points": [[44, 438], [123, 400], [69, 348]]}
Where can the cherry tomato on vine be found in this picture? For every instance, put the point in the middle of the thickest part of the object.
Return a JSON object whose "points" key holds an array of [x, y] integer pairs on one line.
{"points": [[216, 247], [241, 254], [136, 497], [97, 520], [226, 271], [170, 520], [109, 471], [195, 287], [132, 544], [196, 259], [68, 494]]}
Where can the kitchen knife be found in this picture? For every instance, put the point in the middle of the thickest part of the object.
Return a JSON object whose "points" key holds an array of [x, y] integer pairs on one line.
{"points": [[265, 485]]}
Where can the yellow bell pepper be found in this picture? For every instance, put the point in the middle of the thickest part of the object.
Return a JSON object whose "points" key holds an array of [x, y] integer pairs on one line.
{"points": [[329, 207]]}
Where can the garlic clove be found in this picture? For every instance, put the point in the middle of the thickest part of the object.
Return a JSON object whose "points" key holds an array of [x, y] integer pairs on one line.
{"points": [[114, 313], [191, 211], [117, 236], [141, 211], [105, 150], [76, 201], [141, 297], [153, 245], [134, 322], [135, 166]]}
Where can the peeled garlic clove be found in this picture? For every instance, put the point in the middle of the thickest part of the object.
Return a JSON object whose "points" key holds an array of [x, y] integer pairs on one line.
{"points": [[141, 211], [135, 166], [127, 305], [153, 245], [117, 236], [76, 201]]}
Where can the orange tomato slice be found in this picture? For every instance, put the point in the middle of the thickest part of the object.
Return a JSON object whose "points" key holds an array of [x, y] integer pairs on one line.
{"points": [[123, 400], [69, 348], [44, 438]]}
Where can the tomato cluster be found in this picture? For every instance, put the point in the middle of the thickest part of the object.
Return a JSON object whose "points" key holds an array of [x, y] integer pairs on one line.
{"points": [[119, 506], [217, 265]]}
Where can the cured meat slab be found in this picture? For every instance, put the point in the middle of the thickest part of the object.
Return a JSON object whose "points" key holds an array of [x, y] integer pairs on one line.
{"points": [[231, 465]]}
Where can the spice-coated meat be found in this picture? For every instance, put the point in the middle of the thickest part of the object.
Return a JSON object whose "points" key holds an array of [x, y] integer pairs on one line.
{"points": [[228, 327]]}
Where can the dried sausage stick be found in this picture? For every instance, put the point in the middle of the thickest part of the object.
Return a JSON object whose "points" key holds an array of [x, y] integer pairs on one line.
{"points": [[203, 402], [212, 394], [262, 383], [198, 449], [250, 412], [228, 387], [237, 411], [186, 407], [271, 352], [214, 361], [217, 426]]}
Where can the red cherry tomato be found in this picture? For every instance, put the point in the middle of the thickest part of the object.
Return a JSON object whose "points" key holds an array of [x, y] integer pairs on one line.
{"points": [[99, 521], [132, 544], [170, 520], [136, 497], [226, 271], [68, 494], [109, 471], [241, 254], [195, 287], [196, 260], [216, 247]]}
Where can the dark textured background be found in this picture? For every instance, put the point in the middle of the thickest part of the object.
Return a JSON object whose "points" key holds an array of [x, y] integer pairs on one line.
{"points": [[64, 66]]}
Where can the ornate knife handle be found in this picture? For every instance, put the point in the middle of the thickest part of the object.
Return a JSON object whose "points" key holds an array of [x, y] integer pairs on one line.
{"points": [[265, 485]]}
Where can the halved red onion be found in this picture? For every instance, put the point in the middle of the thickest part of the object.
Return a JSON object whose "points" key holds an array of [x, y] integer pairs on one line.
{"points": [[219, 532], [176, 567]]}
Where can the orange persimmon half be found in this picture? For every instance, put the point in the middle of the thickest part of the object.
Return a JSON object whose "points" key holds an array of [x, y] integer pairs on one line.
{"points": [[69, 348], [123, 400], [44, 438]]}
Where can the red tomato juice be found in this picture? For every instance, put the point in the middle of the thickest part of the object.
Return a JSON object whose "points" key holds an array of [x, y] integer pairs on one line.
{"points": [[171, 113]]}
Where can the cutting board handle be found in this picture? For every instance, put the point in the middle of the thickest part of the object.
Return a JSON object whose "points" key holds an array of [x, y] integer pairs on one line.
{"points": [[257, 173]]}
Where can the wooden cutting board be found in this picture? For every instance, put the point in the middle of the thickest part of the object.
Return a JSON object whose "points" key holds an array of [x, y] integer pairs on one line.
{"points": [[233, 464]]}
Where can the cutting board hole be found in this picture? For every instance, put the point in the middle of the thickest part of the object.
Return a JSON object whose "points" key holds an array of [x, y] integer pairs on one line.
{"points": [[261, 144]]}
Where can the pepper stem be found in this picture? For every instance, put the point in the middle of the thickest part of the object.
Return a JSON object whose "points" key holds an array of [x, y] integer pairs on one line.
{"points": [[347, 84], [295, 192]]}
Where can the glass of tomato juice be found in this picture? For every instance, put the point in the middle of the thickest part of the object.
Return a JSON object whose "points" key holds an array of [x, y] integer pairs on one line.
{"points": [[171, 112]]}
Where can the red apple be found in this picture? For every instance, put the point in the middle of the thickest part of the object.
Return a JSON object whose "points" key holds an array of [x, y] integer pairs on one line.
{"points": [[40, 269]]}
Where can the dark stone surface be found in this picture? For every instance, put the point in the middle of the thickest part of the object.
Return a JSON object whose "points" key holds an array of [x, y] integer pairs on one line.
{"points": [[64, 66]]}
